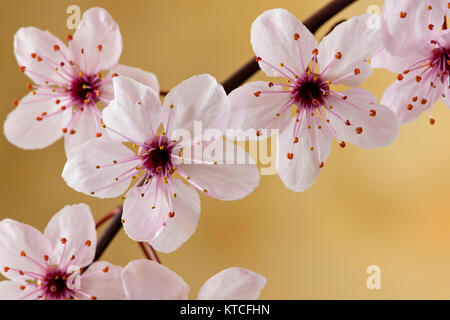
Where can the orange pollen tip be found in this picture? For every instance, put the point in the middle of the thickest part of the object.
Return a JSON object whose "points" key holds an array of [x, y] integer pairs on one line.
{"points": [[400, 77], [338, 55], [99, 47], [372, 113], [418, 78], [6, 269], [98, 135], [114, 75], [21, 272], [415, 99], [88, 243], [72, 131], [15, 103], [257, 93], [403, 14], [63, 240], [430, 27], [33, 55], [410, 107], [258, 133], [171, 214], [344, 98], [22, 287], [406, 71], [424, 101], [56, 47], [342, 144], [29, 86], [270, 84], [93, 298], [22, 68], [63, 107], [321, 165], [46, 258], [357, 71], [23, 254], [38, 118], [69, 37], [72, 257], [64, 130], [106, 269], [57, 101], [98, 93], [296, 140], [39, 59], [432, 121], [315, 51], [296, 36], [258, 59], [359, 130], [290, 156], [347, 122]]}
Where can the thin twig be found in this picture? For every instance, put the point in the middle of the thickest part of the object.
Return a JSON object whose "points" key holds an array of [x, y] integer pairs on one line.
{"points": [[105, 218], [144, 250], [152, 253], [109, 234]]}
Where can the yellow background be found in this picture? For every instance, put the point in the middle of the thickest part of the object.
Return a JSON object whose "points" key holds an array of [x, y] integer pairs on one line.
{"points": [[388, 207]]}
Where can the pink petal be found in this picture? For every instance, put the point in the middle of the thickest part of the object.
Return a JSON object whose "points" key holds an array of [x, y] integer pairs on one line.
{"points": [[102, 280], [299, 173], [141, 221], [199, 98], [144, 77], [148, 280], [272, 38], [228, 179], [135, 111], [10, 290], [379, 124], [76, 225], [30, 40], [181, 227], [400, 96], [415, 24], [251, 112], [86, 130], [16, 237], [81, 173], [22, 129], [395, 64], [357, 42], [97, 27], [233, 284]]}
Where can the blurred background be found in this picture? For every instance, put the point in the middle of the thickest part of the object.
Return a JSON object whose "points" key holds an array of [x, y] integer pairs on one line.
{"points": [[387, 207]]}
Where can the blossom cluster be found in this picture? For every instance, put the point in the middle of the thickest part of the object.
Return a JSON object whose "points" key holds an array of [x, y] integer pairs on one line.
{"points": [[121, 139]]}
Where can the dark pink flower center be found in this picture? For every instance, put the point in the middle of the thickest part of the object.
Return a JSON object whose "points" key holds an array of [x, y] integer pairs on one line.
{"points": [[309, 91], [157, 156], [85, 89]]}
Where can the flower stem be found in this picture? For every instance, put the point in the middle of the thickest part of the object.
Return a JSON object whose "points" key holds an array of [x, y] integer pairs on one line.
{"points": [[105, 218], [313, 23], [149, 252]]}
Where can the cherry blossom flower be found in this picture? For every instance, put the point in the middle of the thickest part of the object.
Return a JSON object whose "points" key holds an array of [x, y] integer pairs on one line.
{"points": [[159, 208], [148, 280], [414, 18], [48, 266], [307, 109], [423, 69], [69, 82]]}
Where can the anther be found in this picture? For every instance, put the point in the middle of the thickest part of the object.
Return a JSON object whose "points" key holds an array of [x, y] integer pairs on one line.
{"points": [[359, 130], [296, 140], [410, 107], [64, 130], [347, 122], [338, 55], [357, 71], [98, 134], [342, 144], [56, 47], [114, 75], [290, 156], [321, 165], [6, 269], [22, 68], [15, 103], [430, 27], [171, 214], [257, 93], [258, 59], [315, 52], [296, 36], [424, 101], [88, 243], [372, 113], [99, 47], [399, 77], [69, 37], [63, 240], [72, 131], [23, 254], [403, 14], [418, 78], [432, 121], [105, 270]]}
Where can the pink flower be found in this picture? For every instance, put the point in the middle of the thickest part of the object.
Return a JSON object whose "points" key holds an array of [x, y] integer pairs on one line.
{"points": [[423, 69], [48, 266], [307, 110], [160, 209], [69, 82], [406, 22], [148, 280]]}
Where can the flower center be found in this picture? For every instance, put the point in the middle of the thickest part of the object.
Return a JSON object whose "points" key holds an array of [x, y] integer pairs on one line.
{"points": [[55, 284], [85, 89], [309, 91], [158, 156]]}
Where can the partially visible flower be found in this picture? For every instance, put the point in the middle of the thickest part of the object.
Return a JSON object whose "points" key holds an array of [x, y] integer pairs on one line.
{"points": [[69, 82], [307, 109], [159, 208], [406, 22], [49, 266], [148, 280], [423, 68]]}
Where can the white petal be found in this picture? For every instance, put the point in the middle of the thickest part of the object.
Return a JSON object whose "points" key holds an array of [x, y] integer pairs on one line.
{"points": [[233, 284], [251, 112], [76, 225], [148, 280], [102, 280], [141, 221], [181, 227], [357, 42], [10, 290], [135, 111], [395, 64], [23, 130], [272, 38], [378, 130], [414, 25], [97, 27], [86, 130], [199, 98], [299, 173], [144, 77], [81, 173], [31, 40], [401, 95], [16, 237], [228, 179]]}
